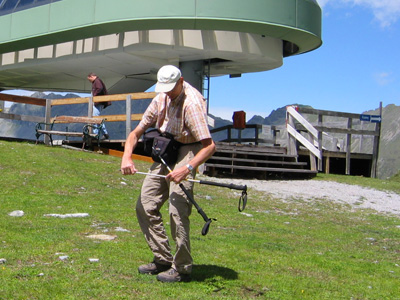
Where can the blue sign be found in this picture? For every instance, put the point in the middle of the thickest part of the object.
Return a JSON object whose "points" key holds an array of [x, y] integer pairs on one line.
{"points": [[366, 118], [376, 119], [371, 118]]}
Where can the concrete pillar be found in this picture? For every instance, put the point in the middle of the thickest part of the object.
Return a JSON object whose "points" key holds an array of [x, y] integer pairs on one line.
{"points": [[193, 72]]}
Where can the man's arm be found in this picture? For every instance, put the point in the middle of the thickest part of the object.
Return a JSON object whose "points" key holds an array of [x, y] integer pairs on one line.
{"points": [[205, 153], [127, 165]]}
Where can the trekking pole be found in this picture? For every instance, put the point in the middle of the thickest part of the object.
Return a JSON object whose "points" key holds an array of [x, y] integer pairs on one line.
{"points": [[243, 188], [206, 219]]}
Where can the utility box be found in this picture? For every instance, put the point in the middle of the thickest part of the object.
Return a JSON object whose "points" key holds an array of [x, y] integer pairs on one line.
{"points": [[239, 119]]}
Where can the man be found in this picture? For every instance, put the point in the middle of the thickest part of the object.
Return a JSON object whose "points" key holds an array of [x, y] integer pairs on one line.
{"points": [[180, 110], [99, 89]]}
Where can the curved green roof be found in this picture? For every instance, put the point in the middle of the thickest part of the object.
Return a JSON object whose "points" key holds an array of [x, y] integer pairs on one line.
{"points": [[295, 21]]}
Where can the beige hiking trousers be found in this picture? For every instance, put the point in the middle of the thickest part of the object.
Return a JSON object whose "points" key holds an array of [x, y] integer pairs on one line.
{"points": [[155, 192]]}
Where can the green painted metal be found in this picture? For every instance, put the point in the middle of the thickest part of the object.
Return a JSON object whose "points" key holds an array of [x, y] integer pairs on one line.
{"points": [[295, 21]]}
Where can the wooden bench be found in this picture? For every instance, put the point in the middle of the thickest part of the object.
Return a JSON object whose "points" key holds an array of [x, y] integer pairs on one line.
{"points": [[86, 133]]}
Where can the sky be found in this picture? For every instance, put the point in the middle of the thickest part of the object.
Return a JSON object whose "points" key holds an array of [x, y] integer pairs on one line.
{"points": [[356, 68]]}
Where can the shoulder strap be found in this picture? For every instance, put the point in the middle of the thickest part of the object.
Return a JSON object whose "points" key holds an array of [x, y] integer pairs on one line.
{"points": [[160, 121]]}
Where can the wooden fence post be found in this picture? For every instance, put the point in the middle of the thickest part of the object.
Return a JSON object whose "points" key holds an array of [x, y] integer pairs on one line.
{"points": [[361, 137], [320, 161], [348, 146], [292, 145], [128, 115], [313, 158], [256, 133], [273, 130], [47, 119], [90, 107], [375, 150]]}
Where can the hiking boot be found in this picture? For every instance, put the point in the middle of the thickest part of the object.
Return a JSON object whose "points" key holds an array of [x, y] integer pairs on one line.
{"points": [[173, 276], [153, 268]]}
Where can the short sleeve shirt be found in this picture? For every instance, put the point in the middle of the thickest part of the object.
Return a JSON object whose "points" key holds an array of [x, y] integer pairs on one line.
{"points": [[184, 117]]}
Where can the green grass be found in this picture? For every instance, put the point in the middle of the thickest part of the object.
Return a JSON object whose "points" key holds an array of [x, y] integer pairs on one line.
{"points": [[280, 250]]}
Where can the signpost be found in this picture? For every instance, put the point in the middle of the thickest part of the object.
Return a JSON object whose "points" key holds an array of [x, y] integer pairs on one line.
{"points": [[377, 119]]}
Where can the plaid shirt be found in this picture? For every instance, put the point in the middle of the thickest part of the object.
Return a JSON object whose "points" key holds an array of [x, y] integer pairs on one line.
{"points": [[185, 117]]}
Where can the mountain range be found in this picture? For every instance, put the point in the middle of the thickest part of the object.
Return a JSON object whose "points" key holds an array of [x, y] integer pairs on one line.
{"points": [[388, 163]]}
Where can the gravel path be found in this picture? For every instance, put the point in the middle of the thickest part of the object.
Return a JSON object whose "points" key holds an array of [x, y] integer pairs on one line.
{"points": [[356, 196]]}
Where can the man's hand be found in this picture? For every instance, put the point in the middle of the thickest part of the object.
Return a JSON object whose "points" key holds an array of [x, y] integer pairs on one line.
{"points": [[128, 167], [178, 175]]}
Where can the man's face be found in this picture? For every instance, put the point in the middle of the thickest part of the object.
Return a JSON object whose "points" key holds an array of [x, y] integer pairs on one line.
{"points": [[176, 90], [91, 78]]}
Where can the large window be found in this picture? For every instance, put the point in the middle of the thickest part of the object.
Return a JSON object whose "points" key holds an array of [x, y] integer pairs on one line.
{"points": [[11, 6]]}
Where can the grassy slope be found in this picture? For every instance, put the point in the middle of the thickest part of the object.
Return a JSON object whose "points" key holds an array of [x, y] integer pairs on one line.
{"points": [[279, 250]]}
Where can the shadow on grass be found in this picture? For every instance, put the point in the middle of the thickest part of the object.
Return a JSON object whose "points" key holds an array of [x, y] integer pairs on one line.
{"points": [[203, 272]]}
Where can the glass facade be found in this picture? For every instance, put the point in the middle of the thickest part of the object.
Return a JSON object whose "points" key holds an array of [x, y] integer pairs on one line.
{"points": [[11, 6]]}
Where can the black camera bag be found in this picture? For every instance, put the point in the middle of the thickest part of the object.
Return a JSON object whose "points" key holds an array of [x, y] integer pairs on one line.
{"points": [[158, 144]]}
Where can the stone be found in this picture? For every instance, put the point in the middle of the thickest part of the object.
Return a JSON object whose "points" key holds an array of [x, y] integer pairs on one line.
{"points": [[16, 213], [63, 216], [103, 237]]}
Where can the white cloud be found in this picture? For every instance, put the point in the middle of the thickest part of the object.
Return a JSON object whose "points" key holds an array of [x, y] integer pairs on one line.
{"points": [[386, 12], [322, 3], [383, 78]]}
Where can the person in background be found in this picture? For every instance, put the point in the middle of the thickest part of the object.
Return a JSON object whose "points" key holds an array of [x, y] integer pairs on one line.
{"points": [[99, 89], [180, 110]]}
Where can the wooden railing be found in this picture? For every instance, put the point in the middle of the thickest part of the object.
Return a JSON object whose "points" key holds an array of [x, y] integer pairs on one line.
{"points": [[313, 134], [128, 117], [256, 140], [21, 99]]}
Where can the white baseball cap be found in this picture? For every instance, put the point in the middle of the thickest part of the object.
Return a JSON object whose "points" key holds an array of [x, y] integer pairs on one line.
{"points": [[167, 77]]}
